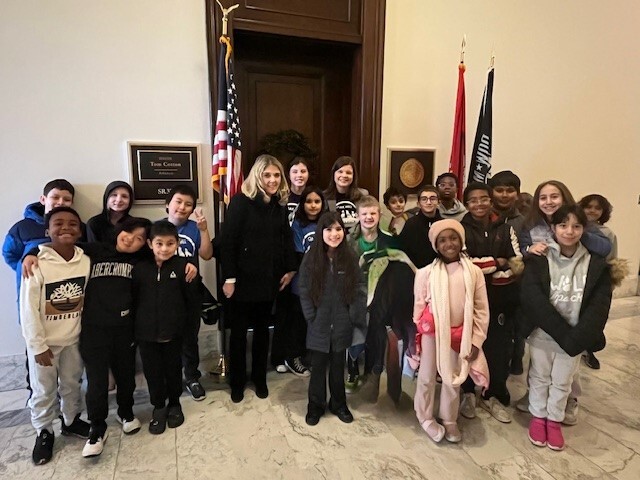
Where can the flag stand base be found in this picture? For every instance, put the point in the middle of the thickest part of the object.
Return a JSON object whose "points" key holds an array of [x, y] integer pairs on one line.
{"points": [[220, 370]]}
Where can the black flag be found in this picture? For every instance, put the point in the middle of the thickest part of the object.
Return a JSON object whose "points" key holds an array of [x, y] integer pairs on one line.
{"points": [[480, 169]]}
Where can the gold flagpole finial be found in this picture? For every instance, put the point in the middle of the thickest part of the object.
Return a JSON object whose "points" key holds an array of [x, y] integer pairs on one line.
{"points": [[462, 48], [493, 57], [225, 15]]}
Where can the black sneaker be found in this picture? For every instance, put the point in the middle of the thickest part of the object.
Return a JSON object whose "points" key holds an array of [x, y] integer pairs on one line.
{"points": [[343, 414], [175, 417], [591, 361], [195, 389], [77, 428], [296, 367], [159, 421], [353, 375], [313, 415], [43, 450]]}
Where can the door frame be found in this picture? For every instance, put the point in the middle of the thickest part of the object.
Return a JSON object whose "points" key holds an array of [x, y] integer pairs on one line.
{"points": [[367, 78]]}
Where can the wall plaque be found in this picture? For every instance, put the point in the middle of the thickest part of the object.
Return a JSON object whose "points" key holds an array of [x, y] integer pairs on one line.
{"points": [[156, 167]]}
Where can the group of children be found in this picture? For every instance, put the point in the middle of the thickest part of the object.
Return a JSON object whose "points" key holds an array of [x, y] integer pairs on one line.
{"points": [[473, 307], [86, 306]]}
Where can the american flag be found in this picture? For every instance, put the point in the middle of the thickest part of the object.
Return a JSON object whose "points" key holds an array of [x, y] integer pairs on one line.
{"points": [[227, 153]]}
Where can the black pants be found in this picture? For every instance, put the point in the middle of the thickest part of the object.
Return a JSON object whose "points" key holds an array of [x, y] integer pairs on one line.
{"points": [[281, 320], [296, 330], [375, 345], [318, 381], [103, 348], [245, 315], [498, 348], [162, 368], [190, 349]]}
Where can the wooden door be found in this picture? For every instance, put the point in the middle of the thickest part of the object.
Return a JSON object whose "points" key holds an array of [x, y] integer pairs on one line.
{"points": [[289, 83]]}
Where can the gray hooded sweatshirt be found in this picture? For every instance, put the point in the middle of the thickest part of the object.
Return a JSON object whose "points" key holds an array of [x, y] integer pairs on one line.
{"points": [[568, 278]]}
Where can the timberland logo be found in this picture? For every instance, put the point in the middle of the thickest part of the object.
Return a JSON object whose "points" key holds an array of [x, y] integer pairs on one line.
{"points": [[64, 297]]}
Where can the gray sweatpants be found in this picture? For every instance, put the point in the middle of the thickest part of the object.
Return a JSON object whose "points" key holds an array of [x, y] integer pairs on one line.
{"points": [[550, 378], [62, 378]]}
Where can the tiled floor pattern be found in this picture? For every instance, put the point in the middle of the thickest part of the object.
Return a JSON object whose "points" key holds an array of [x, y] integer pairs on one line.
{"points": [[269, 438]]}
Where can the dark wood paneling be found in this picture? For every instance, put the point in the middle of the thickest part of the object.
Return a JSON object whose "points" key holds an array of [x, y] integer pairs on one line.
{"points": [[367, 92], [323, 19]]}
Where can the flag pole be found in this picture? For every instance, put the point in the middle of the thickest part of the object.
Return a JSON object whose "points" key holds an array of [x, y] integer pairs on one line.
{"points": [[220, 370]]}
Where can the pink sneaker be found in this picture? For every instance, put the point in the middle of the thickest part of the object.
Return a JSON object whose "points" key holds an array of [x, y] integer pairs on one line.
{"points": [[555, 440], [538, 431]]}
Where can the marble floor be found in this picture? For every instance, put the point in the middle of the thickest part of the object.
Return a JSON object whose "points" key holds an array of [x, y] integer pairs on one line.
{"points": [[269, 438]]}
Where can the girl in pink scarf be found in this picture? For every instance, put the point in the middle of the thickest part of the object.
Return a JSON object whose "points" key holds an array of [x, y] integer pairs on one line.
{"points": [[451, 331]]}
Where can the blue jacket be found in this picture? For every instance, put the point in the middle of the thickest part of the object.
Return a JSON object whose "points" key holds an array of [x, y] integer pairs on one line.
{"points": [[25, 235]]}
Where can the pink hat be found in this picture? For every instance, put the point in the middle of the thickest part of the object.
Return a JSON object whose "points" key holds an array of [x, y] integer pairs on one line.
{"points": [[440, 226]]}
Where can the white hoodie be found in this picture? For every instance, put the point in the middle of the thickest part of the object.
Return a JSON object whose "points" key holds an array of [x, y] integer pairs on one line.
{"points": [[51, 300]]}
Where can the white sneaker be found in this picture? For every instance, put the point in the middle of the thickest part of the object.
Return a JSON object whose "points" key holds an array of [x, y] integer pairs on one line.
{"points": [[282, 368], [129, 427], [95, 444], [523, 403], [571, 412], [468, 405], [496, 409]]}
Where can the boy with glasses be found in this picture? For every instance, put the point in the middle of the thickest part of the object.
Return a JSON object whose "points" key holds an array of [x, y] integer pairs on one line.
{"points": [[414, 239], [450, 206], [493, 246]]}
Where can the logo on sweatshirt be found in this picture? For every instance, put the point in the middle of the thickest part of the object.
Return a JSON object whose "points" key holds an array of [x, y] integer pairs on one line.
{"points": [[173, 275], [64, 298]]}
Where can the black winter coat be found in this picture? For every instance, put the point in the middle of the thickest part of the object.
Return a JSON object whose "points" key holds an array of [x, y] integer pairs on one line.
{"points": [[163, 299], [256, 247], [414, 239], [538, 311], [99, 227], [330, 325]]}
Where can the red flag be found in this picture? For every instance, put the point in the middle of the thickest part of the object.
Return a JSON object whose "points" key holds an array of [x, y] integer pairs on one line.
{"points": [[457, 162], [227, 153]]}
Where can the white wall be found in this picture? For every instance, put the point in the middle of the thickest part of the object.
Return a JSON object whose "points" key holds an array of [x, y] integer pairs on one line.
{"points": [[566, 94], [78, 79]]}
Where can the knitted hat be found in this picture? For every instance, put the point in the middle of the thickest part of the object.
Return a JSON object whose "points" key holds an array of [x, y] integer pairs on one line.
{"points": [[440, 226], [505, 178]]}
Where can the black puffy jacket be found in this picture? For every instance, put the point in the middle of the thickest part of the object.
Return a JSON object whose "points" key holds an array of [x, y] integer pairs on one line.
{"points": [[538, 311]]}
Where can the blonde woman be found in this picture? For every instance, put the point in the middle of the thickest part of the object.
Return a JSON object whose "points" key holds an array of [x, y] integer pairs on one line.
{"points": [[258, 260]]}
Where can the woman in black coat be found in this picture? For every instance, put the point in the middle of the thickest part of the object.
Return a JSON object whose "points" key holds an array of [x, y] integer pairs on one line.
{"points": [[257, 260]]}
